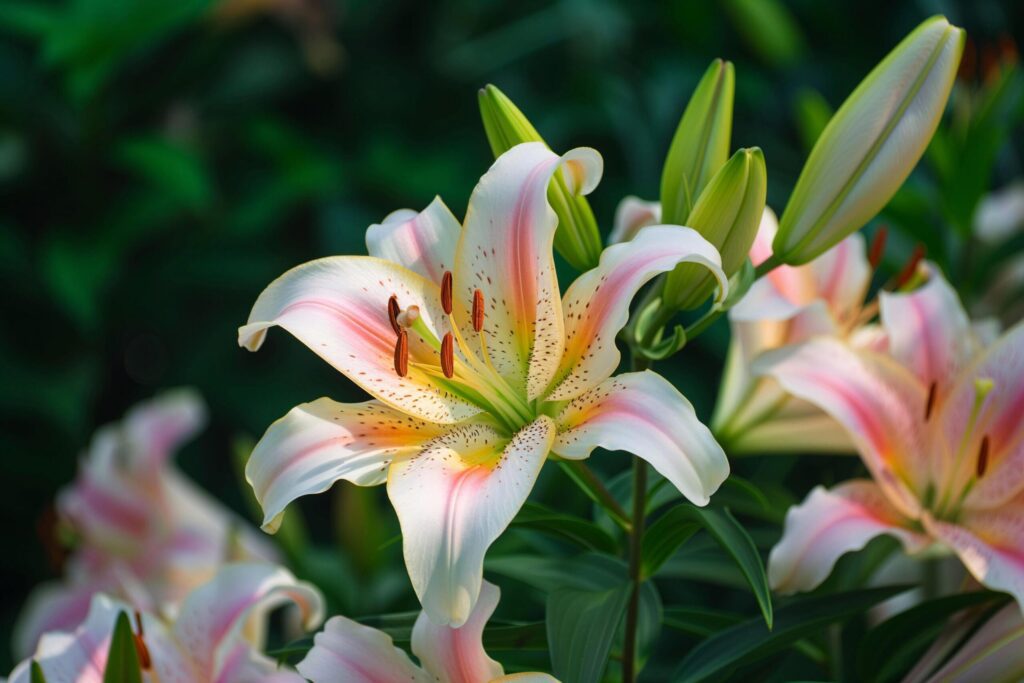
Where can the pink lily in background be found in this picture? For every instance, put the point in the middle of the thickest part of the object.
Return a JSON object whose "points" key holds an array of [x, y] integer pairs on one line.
{"points": [[215, 637], [478, 368], [144, 533], [348, 652], [938, 426]]}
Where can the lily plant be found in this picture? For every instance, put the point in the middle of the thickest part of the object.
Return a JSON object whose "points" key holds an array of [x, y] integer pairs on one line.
{"points": [[348, 652], [478, 368], [937, 424]]}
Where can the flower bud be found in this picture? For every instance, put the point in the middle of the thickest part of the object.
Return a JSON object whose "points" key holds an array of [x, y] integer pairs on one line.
{"points": [[577, 239], [701, 143], [872, 143], [727, 214]]}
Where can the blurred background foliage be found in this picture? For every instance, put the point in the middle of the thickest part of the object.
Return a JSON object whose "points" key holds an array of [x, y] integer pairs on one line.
{"points": [[161, 162]]}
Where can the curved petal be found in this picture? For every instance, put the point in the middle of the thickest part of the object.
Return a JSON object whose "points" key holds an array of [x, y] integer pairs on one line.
{"points": [[928, 330], [999, 419], [792, 434], [829, 524], [526, 677], [453, 500], [642, 413], [505, 252], [842, 276], [880, 404], [423, 242], [209, 623], [153, 430], [995, 652], [338, 307], [596, 306], [55, 606], [318, 443], [456, 655], [632, 214], [348, 652], [990, 543]]}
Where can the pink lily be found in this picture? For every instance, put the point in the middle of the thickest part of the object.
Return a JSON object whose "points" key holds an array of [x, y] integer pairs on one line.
{"points": [[348, 652], [144, 533], [938, 426], [214, 638], [478, 369]]}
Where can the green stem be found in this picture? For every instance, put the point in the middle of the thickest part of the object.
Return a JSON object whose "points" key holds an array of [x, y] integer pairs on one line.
{"points": [[768, 265], [635, 552], [591, 485]]}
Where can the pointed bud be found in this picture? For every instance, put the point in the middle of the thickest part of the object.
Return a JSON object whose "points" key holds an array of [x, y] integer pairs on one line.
{"points": [[727, 214], [701, 143], [872, 143], [577, 239]]}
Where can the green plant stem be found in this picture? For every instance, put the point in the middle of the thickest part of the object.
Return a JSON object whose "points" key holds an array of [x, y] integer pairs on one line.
{"points": [[595, 489], [635, 551]]}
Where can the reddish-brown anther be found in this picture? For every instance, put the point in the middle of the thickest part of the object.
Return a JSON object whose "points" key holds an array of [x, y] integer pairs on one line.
{"points": [[446, 292], [982, 457], [402, 353], [878, 247], [907, 274], [393, 311], [932, 390], [448, 355], [145, 661], [478, 310]]}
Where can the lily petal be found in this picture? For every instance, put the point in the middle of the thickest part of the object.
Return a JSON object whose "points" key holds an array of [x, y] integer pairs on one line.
{"points": [[56, 606], [319, 443], [456, 655], [928, 330], [642, 413], [880, 404], [155, 429], [995, 652], [631, 215], [829, 524], [596, 306], [337, 306], [422, 242], [453, 500], [348, 652], [505, 252]]}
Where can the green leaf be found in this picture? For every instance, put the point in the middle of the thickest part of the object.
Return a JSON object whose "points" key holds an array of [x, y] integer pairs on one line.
{"points": [[36, 674], [123, 659], [581, 532], [581, 627], [750, 642], [812, 115], [170, 167], [700, 621], [768, 29], [664, 537], [891, 648]]}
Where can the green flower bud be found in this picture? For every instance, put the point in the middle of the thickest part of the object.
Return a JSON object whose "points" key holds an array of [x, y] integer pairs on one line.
{"points": [[701, 143], [577, 238], [727, 214], [872, 143]]}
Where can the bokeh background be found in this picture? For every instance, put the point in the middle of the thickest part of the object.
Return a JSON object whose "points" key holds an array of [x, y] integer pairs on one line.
{"points": [[161, 162]]}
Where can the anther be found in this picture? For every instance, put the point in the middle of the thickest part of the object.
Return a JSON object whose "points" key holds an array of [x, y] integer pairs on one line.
{"points": [[907, 274], [448, 355], [393, 311], [478, 310], [932, 390], [446, 292], [402, 353], [409, 316], [982, 457], [878, 247], [145, 662]]}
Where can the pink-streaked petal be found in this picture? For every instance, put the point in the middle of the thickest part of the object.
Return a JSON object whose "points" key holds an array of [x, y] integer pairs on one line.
{"points": [[829, 524], [842, 276], [596, 306], [995, 652], [319, 443], [51, 607], [212, 617], [153, 430], [1000, 419], [526, 677], [453, 500], [422, 242], [337, 306], [880, 404], [761, 249], [456, 655], [348, 652], [928, 330], [631, 215], [642, 413], [506, 252], [990, 543]]}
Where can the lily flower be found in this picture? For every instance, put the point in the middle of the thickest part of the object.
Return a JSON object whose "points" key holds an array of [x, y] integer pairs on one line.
{"points": [[210, 640], [144, 532], [938, 426], [348, 652], [478, 370]]}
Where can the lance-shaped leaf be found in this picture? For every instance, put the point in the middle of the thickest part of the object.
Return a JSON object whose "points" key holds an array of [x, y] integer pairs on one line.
{"points": [[872, 143], [726, 214], [577, 238], [701, 143]]}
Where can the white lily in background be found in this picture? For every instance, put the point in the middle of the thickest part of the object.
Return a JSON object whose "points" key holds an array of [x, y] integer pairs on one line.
{"points": [[144, 532], [478, 368], [348, 652], [938, 426], [209, 641], [632, 215]]}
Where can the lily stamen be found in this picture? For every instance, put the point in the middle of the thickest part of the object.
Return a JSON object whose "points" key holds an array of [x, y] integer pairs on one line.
{"points": [[478, 310], [393, 311], [878, 247], [446, 292], [408, 317], [909, 269], [932, 390], [448, 355], [982, 464], [402, 354], [145, 661]]}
